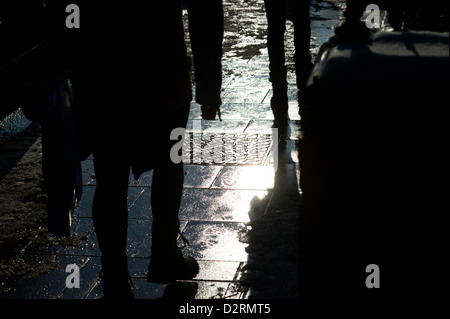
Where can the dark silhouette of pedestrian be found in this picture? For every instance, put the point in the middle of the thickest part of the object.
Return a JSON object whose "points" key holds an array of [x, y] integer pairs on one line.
{"points": [[277, 11], [131, 86]]}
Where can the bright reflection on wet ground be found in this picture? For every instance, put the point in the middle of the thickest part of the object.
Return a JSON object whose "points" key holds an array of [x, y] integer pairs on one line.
{"points": [[245, 177]]}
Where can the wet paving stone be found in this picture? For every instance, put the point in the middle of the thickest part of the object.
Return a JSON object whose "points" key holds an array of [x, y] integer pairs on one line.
{"points": [[89, 278], [211, 290], [83, 242], [200, 176], [220, 205], [84, 206], [52, 285], [245, 177], [214, 241], [229, 126], [87, 170], [141, 207], [213, 270], [139, 238], [247, 111]]}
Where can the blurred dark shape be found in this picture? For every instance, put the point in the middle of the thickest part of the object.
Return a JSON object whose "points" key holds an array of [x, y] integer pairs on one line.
{"points": [[370, 162], [21, 33], [61, 165], [417, 15], [46, 98]]}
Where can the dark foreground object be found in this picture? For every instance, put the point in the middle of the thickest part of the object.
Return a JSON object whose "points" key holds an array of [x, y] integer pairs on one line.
{"points": [[370, 159]]}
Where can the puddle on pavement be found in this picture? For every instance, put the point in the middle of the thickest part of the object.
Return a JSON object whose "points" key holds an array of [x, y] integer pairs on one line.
{"points": [[215, 241]]}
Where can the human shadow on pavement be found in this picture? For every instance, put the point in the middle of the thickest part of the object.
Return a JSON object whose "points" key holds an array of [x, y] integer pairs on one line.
{"points": [[272, 236], [180, 290]]}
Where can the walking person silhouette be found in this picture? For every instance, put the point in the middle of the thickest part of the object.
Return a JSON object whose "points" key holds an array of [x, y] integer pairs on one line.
{"points": [[131, 87]]}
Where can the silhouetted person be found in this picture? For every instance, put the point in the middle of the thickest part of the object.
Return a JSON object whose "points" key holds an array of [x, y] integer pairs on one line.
{"points": [[131, 82], [276, 13]]}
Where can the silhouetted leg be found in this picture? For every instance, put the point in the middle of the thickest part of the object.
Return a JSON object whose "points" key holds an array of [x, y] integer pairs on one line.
{"points": [[167, 262], [110, 214], [276, 26], [302, 36], [59, 178], [206, 34], [167, 188]]}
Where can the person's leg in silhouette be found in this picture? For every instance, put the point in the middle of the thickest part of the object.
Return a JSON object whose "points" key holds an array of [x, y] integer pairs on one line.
{"points": [[59, 178], [206, 34], [110, 211], [167, 262], [115, 152], [302, 37], [276, 26]]}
